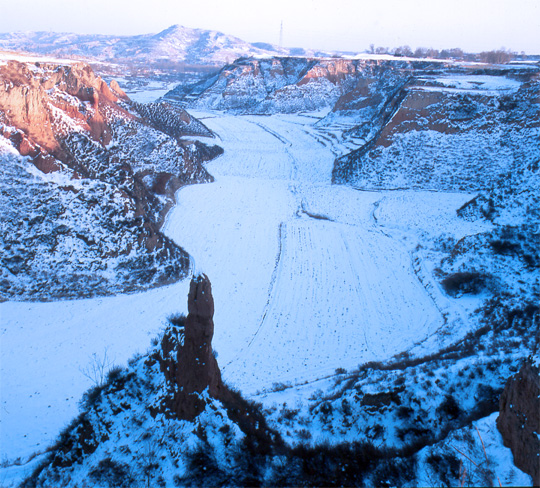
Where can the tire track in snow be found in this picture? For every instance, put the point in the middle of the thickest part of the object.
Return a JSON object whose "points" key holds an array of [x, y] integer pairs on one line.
{"points": [[279, 137], [356, 285], [287, 143], [273, 280]]}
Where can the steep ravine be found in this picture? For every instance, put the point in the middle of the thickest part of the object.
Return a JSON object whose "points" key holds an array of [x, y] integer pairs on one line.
{"points": [[327, 323], [409, 397], [96, 175]]}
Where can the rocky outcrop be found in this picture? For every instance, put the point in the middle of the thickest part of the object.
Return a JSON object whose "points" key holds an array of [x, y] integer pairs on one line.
{"points": [[168, 418], [519, 419], [186, 358], [34, 94], [115, 88]]}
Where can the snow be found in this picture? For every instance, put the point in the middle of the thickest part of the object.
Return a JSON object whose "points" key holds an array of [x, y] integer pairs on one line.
{"points": [[5, 57], [479, 82], [487, 85], [391, 57], [46, 347], [481, 449], [301, 251], [149, 93], [304, 279]]}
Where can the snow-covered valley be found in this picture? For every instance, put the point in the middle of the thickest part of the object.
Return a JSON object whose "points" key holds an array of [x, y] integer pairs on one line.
{"points": [[307, 278]]}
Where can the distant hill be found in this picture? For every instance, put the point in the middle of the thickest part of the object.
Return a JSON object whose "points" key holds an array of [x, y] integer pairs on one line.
{"points": [[177, 44]]}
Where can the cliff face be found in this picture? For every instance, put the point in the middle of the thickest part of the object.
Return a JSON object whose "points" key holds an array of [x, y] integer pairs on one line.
{"points": [[288, 85], [452, 131], [87, 182], [35, 96], [519, 419], [186, 358], [276, 85]]}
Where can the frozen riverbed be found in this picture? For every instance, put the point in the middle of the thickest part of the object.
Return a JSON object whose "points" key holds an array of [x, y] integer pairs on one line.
{"points": [[307, 277]]}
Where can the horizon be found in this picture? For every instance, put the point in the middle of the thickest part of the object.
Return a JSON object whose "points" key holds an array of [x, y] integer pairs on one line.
{"points": [[310, 24], [364, 51]]}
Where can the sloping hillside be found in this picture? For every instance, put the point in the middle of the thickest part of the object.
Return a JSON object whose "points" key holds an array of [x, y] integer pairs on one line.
{"points": [[273, 85], [454, 131]]}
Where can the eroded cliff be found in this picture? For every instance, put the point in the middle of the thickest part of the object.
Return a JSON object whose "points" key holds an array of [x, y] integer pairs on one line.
{"points": [[87, 181], [186, 358], [519, 419]]}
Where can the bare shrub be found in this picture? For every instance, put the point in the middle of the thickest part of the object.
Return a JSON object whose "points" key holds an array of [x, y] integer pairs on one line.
{"points": [[446, 466], [112, 473], [449, 408], [463, 282], [98, 367], [278, 386]]}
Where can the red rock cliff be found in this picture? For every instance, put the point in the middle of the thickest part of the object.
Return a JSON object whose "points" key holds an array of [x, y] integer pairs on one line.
{"points": [[46, 102]]}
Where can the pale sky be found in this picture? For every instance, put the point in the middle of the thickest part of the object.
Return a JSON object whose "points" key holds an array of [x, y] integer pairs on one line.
{"points": [[348, 25]]}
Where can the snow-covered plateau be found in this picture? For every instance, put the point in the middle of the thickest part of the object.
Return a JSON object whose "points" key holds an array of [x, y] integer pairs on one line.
{"points": [[338, 307]]}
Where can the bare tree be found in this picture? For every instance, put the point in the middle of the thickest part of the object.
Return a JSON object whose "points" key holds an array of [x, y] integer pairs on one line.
{"points": [[403, 51], [421, 52], [500, 56], [432, 53], [454, 53]]}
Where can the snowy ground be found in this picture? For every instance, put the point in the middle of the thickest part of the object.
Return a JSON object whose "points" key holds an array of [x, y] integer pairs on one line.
{"points": [[306, 277], [475, 84], [305, 280], [147, 93], [6, 56]]}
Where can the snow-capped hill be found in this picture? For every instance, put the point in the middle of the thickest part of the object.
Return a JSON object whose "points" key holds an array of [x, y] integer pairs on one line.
{"points": [[67, 137], [201, 46], [183, 34], [174, 44]]}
